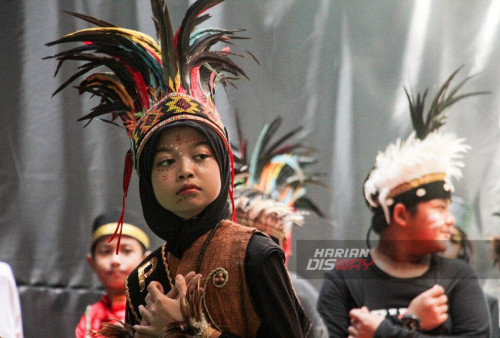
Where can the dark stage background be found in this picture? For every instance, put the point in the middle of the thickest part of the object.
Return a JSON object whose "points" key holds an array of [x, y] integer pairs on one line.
{"points": [[336, 67]]}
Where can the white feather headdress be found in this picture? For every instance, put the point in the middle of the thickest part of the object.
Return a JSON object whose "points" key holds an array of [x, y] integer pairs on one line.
{"points": [[423, 165]]}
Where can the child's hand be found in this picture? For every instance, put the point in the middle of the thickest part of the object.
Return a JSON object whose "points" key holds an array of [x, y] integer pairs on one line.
{"points": [[174, 293], [161, 309], [363, 323], [431, 306]]}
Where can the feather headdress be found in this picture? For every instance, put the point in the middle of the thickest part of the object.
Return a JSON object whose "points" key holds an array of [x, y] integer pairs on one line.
{"points": [[148, 85], [421, 167], [270, 189]]}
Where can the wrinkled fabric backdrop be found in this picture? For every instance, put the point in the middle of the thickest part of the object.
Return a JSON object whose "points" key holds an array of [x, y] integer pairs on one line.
{"points": [[336, 67]]}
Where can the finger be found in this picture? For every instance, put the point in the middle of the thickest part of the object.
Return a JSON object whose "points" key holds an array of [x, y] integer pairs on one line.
{"points": [[155, 289], [180, 284], [354, 314], [436, 290], [443, 299], [194, 283], [144, 321], [443, 317], [364, 309], [173, 293], [145, 313], [352, 331], [148, 300], [442, 309], [189, 276]]}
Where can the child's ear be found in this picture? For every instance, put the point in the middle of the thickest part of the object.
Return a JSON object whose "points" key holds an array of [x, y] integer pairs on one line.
{"points": [[91, 261], [400, 214]]}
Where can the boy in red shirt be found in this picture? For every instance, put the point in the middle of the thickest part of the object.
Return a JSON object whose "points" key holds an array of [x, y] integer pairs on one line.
{"points": [[112, 269]]}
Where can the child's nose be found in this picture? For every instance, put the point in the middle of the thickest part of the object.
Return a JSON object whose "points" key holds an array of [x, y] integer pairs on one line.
{"points": [[185, 169], [450, 220]]}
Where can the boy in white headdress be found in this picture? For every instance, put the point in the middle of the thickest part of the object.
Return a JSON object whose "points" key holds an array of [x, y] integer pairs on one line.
{"points": [[410, 291]]}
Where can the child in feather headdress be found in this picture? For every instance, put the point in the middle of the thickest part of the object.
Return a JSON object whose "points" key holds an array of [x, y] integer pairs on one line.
{"points": [[212, 277], [410, 291]]}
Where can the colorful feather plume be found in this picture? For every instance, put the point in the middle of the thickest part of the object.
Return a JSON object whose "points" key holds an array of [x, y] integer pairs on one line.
{"points": [[134, 77], [140, 71], [277, 168]]}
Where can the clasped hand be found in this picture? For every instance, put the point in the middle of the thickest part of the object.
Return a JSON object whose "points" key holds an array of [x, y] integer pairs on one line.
{"points": [[431, 306], [162, 309]]}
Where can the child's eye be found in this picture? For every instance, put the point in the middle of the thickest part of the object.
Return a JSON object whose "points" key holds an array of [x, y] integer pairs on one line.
{"points": [[202, 156], [104, 252], [165, 163]]}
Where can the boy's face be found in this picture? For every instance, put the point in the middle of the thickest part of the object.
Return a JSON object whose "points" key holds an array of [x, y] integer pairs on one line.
{"points": [[431, 224], [185, 174], [113, 269]]}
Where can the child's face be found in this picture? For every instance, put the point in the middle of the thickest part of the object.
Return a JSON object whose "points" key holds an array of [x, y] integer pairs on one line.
{"points": [[113, 269], [185, 174], [431, 223]]}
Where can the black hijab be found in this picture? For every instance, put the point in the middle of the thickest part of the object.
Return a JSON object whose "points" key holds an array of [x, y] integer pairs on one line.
{"points": [[178, 232]]}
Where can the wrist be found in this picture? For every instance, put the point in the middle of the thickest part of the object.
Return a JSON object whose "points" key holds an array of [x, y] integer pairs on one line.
{"points": [[410, 321]]}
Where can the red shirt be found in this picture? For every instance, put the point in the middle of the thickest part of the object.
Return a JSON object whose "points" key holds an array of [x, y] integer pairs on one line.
{"points": [[97, 314]]}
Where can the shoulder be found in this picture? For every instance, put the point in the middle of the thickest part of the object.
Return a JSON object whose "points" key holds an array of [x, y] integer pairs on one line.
{"points": [[262, 247], [451, 268], [262, 254], [230, 226]]}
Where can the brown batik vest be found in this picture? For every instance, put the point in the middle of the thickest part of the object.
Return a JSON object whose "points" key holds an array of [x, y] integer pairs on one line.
{"points": [[228, 303]]}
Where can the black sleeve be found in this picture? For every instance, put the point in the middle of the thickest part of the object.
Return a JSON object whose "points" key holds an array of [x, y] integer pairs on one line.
{"points": [[468, 311], [308, 297], [468, 308], [493, 308], [334, 304], [271, 291]]}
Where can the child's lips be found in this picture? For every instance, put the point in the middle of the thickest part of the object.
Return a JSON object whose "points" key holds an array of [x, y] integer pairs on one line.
{"points": [[117, 273], [188, 189]]}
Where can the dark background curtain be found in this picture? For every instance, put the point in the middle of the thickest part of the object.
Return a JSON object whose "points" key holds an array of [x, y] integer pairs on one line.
{"points": [[336, 67]]}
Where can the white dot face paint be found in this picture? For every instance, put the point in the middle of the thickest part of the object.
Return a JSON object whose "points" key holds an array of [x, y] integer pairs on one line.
{"points": [[431, 224]]}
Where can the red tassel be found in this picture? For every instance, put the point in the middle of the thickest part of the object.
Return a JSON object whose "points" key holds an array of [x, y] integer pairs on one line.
{"points": [[127, 174], [231, 185]]}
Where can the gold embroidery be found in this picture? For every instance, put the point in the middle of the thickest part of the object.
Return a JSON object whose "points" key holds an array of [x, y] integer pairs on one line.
{"points": [[129, 301], [142, 274], [404, 187], [165, 264]]}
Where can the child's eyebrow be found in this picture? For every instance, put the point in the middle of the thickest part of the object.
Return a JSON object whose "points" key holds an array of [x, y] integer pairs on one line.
{"points": [[163, 149], [170, 149], [200, 143]]}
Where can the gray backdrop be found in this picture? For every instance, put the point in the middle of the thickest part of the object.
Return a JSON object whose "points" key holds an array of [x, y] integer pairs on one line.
{"points": [[336, 67]]}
